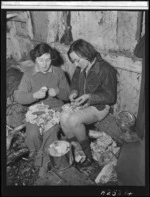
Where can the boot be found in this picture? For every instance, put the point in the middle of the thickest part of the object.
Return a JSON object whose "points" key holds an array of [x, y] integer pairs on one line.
{"points": [[73, 139], [86, 148], [89, 167]]}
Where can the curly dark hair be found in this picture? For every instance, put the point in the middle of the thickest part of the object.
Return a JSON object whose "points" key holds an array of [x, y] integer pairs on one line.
{"points": [[40, 49], [83, 49]]}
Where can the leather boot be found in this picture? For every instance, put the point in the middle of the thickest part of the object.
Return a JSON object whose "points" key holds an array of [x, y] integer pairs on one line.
{"points": [[73, 139], [86, 148], [89, 167]]}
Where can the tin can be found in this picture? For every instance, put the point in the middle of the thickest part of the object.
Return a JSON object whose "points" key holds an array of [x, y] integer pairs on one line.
{"points": [[60, 155]]}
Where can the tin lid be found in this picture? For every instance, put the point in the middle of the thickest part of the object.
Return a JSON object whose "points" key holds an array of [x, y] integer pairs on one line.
{"points": [[59, 148]]}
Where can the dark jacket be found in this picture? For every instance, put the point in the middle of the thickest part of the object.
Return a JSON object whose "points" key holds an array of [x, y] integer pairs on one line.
{"points": [[100, 83]]}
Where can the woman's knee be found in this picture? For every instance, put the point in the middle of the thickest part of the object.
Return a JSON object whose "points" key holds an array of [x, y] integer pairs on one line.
{"points": [[107, 108], [102, 114], [74, 121], [64, 117]]}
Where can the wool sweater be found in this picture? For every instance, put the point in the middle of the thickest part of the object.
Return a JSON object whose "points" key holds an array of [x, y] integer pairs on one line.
{"points": [[32, 81]]}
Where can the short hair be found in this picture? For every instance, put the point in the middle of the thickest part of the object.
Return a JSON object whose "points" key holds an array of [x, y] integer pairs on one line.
{"points": [[41, 49], [83, 49]]}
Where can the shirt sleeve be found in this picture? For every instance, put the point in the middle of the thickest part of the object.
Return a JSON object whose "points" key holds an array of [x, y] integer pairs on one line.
{"points": [[64, 89], [106, 92], [24, 95]]}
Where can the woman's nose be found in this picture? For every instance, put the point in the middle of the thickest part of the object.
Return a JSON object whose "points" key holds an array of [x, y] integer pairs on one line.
{"points": [[44, 63]]}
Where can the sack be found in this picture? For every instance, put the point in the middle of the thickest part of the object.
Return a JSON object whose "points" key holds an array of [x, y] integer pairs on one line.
{"points": [[15, 111], [13, 78]]}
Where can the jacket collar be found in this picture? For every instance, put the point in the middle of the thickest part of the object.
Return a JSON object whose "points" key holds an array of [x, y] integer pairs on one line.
{"points": [[91, 67]]}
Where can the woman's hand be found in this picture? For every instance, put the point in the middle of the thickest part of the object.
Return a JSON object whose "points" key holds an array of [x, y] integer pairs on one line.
{"points": [[40, 93], [72, 96], [82, 99], [53, 92]]}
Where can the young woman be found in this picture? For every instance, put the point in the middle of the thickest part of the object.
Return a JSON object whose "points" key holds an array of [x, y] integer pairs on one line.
{"points": [[30, 91], [94, 83]]}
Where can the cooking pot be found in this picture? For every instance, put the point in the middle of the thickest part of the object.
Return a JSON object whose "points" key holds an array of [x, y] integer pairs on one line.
{"points": [[60, 154]]}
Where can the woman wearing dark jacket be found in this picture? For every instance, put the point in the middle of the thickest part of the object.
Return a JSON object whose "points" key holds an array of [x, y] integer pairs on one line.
{"points": [[94, 83]]}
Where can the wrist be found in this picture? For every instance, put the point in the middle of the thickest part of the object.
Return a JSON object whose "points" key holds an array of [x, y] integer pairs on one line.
{"points": [[89, 99], [34, 96], [89, 96], [57, 91], [75, 92]]}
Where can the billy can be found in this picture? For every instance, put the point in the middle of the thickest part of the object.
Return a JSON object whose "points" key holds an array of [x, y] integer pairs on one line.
{"points": [[60, 155]]}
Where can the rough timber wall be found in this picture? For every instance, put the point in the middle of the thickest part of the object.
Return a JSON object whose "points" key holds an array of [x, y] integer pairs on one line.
{"points": [[128, 91], [127, 30], [40, 25], [98, 27], [48, 26], [19, 34]]}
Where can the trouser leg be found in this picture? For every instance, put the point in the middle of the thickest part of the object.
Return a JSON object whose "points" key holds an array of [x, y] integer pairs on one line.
{"points": [[33, 139], [73, 139], [48, 138]]}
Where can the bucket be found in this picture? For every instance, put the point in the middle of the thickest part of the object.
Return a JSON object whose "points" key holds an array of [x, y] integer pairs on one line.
{"points": [[60, 155]]}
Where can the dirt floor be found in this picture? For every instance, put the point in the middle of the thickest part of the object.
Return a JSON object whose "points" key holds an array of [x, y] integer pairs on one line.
{"points": [[22, 172]]}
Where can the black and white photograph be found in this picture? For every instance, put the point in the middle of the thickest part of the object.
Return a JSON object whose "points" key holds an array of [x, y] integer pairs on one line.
{"points": [[74, 104]]}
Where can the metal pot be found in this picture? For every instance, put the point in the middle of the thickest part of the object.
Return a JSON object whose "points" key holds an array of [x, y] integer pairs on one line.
{"points": [[60, 155], [125, 120]]}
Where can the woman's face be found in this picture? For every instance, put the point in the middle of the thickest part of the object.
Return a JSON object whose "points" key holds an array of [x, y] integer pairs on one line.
{"points": [[43, 62], [79, 61]]}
